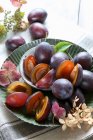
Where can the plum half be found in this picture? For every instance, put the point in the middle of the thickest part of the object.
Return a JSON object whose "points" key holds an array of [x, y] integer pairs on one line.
{"points": [[64, 69], [76, 75], [38, 105], [16, 99], [47, 80], [39, 71]]}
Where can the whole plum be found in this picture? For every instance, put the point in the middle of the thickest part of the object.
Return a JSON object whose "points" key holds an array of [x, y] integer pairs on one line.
{"points": [[14, 42], [57, 58], [62, 89], [43, 52], [37, 15], [84, 59], [87, 82], [38, 30], [79, 95]]}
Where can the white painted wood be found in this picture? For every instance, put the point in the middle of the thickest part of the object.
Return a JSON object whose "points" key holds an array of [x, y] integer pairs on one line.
{"points": [[86, 15]]}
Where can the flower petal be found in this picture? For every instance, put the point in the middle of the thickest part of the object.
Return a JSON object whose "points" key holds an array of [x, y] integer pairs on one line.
{"points": [[16, 3], [55, 108], [61, 113], [4, 81], [9, 65], [14, 76]]}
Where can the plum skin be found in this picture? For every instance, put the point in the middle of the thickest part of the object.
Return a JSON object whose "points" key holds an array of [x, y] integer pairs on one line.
{"points": [[57, 58], [62, 89], [14, 42], [84, 59], [38, 30], [87, 81], [79, 95], [43, 52], [37, 15]]}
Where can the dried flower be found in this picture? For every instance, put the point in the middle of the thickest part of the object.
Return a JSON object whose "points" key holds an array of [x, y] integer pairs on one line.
{"points": [[13, 22], [8, 73], [18, 3], [3, 31], [58, 111], [79, 115], [1, 9]]}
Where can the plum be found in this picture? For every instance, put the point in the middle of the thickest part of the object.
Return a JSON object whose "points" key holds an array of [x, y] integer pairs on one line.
{"points": [[64, 69], [37, 15], [67, 105], [43, 52], [28, 64], [16, 99], [33, 101], [43, 110], [38, 30], [79, 95], [47, 80], [62, 89], [39, 71], [14, 42], [87, 82], [76, 75], [84, 59], [19, 86], [57, 58], [39, 105]]}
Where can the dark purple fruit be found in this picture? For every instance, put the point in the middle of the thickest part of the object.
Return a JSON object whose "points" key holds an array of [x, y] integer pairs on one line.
{"points": [[38, 30], [37, 15], [79, 95], [62, 89], [14, 42], [67, 105], [57, 58], [87, 82], [43, 52], [84, 59]]}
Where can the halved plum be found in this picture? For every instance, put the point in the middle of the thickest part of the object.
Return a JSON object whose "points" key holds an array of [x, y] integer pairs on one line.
{"points": [[29, 64], [43, 110], [18, 86], [33, 102], [76, 75], [47, 80], [39, 71], [16, 99], [64, 69]]}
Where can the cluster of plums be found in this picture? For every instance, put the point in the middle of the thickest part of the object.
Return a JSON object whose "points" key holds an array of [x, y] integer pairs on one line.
{"points": [[65, 77], [20, 96], [37, 29]]}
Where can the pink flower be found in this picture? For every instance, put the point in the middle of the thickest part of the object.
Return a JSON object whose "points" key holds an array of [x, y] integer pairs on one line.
{"points": [[58, 111], [18, 3], [8, 73]]}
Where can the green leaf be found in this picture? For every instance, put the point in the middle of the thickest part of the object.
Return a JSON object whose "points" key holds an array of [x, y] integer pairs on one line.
{"points": [[62, 46]]}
